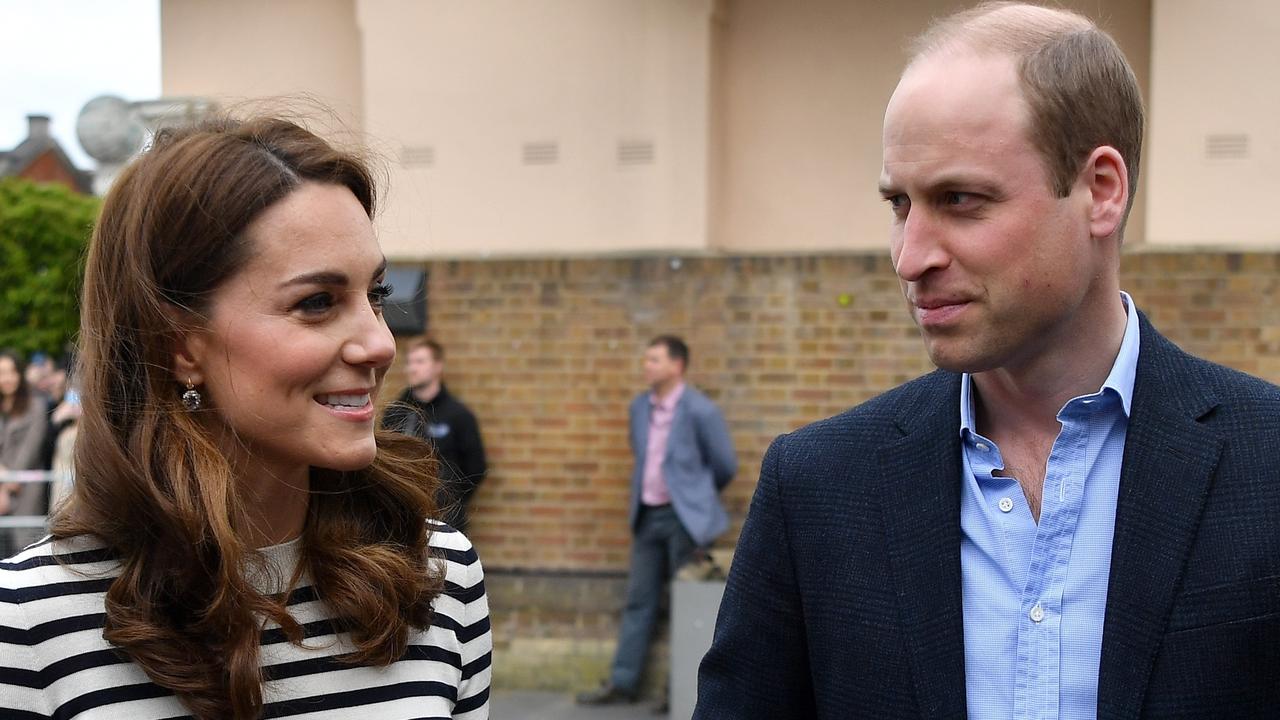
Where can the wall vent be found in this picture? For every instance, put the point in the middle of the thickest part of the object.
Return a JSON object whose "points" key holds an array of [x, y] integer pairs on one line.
{"points": [[1227, 146], [417, 156], [635, 152], [540, 153]]}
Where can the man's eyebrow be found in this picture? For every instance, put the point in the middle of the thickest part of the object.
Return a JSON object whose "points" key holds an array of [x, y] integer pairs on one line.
{"points": [[945, 182]]}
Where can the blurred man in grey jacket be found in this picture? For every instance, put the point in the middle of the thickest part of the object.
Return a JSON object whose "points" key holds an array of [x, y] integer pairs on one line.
{"points": [[684, 457]]}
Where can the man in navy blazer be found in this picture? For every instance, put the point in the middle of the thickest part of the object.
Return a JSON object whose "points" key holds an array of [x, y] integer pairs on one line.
{"points": [[1071, 518], [684, 457]]}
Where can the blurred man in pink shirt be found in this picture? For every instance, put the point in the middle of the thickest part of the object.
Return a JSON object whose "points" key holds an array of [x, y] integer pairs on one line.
{"points": [[683, 459]]}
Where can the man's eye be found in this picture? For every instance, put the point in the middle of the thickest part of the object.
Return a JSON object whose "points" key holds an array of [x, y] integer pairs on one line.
{"points": [[899, 203], [316, 304], [958, 198]]}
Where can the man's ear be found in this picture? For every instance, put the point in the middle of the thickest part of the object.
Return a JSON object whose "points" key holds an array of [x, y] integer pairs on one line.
{"points": [[1107, 179]]}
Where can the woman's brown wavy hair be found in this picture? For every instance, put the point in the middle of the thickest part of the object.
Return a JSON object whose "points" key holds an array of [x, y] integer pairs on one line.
{"points": [[151, 481]]}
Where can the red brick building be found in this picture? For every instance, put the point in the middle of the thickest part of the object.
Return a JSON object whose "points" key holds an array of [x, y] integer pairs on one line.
{"points": [[40, 158]]}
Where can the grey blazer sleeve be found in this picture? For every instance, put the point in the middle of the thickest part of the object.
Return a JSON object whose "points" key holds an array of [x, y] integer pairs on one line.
{"points": [[716, 444]]}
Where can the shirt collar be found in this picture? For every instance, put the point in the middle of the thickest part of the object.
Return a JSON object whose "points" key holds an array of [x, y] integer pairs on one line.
{"points": [[1120, 379], [669, 402]]}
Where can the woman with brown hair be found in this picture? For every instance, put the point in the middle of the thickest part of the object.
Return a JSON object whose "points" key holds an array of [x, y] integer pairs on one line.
{"points": [[241, 541], [23, 426]]}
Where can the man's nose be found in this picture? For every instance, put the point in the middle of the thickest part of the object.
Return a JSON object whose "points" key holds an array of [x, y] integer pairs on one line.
{"points": [[919, 246]]}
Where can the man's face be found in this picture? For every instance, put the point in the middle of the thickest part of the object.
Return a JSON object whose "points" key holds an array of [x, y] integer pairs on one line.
{"points": [[659, 366], [422, 368], [994, 265]]}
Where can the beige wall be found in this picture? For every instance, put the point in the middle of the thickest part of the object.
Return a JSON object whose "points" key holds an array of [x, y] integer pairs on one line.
{"points": [[234, 50], [805, 86], [764, 117], [1214, 74], [470, 83]]}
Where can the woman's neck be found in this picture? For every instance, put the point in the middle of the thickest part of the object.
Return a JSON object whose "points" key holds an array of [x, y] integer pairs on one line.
{"points": [[277, 508]]}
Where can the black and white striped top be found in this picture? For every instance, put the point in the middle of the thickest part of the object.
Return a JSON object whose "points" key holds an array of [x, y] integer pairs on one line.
{"points": [[55, 664]]}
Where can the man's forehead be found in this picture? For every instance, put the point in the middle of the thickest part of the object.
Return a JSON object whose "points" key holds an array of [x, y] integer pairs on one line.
{"points": [[955, 103], [955, 89]]}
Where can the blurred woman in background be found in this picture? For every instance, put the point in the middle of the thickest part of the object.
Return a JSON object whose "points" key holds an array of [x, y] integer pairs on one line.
{"points": [[23, 425]]}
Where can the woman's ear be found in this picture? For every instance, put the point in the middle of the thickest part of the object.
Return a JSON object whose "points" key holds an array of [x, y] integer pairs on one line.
{"points": [[188, 347], [186, 365], [1107, 179]]}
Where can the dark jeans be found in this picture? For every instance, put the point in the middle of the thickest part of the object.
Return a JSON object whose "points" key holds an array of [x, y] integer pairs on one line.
{"points": [[659, 548]]}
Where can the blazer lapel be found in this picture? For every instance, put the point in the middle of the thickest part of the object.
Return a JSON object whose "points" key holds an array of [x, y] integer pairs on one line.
{"points": [[1169, 462], [679, 418], [920, 495]]}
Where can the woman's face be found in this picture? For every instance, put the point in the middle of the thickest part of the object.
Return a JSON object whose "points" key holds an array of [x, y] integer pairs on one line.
{"points": [[295, 349], [9, 377]]}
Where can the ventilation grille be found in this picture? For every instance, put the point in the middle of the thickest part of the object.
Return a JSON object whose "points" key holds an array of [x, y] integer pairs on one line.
{"points": [[1233, 146], [540, 153], [635, 152], [417, 156]]}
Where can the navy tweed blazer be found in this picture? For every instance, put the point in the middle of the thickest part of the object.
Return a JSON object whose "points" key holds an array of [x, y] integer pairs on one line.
{"points": [[844, 596]]}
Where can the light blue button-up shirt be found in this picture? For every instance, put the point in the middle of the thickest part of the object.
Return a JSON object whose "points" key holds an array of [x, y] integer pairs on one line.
{"points": [[1035, 594]]}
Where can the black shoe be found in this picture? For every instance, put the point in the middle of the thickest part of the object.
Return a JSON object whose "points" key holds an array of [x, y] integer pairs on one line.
{"points": [[606, 694]]}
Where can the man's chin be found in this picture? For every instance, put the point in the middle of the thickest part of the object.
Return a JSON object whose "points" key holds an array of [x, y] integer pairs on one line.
{"points": [[947, 356]]}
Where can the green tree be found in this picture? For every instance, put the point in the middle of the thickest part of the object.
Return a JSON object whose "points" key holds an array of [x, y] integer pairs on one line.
{"points": [[44, 229]]}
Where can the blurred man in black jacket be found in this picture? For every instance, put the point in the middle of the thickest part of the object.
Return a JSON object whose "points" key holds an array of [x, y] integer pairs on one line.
{"points": [[427, 410]]}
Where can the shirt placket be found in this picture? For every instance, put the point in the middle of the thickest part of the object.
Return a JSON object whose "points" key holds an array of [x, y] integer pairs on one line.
{"points": [[1037, 687]]}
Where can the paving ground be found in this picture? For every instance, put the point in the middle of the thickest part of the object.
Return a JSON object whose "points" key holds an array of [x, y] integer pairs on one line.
{"points": [[533, 705]]}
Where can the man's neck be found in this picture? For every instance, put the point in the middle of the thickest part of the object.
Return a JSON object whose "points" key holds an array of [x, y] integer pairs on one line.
{"points": [[1029, 395], [664, 389], [427, 393]]}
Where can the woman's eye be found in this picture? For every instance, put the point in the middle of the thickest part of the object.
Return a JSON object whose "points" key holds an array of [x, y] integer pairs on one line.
{"points": [[316, 304], [379, 294]]}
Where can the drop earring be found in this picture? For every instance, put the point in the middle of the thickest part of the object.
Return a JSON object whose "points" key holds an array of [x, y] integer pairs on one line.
{"points": [[191, 398]]}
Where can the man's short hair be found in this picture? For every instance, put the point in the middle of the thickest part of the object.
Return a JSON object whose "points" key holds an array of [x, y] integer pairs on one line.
{"points": [[676, 349], [1079, 87], [437, 350]]}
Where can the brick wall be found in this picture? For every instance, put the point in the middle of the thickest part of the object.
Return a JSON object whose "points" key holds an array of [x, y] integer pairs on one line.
{"points": [[547, 353]]}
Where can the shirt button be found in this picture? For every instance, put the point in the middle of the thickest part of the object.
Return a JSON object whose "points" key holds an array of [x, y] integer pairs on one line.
{"points": [[1037, 613], [983, 446], [1006, 504]]}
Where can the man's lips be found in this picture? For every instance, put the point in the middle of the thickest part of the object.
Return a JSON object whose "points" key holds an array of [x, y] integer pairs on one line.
{"points": [[936, 311]]}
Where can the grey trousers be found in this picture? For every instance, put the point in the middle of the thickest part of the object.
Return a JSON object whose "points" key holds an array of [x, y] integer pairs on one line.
{"points": [[661, 545]]}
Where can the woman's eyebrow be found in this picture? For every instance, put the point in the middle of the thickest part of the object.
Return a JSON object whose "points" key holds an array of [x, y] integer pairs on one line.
{"points": [[323, 277]]}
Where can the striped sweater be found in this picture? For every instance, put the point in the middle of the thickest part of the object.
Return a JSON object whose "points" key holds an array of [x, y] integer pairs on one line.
{"points": [[54, 662]]}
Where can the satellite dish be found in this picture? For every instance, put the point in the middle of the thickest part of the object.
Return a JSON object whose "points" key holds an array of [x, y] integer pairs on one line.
{"points": [[109, 129]]}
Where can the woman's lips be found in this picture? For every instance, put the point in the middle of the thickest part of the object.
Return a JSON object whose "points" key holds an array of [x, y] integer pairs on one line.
{"points": [[344, 405]]}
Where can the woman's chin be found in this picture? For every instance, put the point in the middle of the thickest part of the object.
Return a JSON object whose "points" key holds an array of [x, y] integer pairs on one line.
{"points": [[349, 462]]}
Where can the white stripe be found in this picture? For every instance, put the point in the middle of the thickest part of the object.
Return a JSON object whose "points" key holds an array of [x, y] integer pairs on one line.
{"points": [[36, 612]]}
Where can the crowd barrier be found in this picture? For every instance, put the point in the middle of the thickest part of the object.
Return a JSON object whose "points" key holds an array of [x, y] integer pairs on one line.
{"points": [[29, 476]]}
